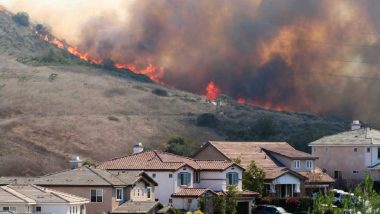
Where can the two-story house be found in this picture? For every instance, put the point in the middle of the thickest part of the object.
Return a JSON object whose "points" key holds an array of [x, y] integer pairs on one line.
{"points": [[181, 180], [122, 192], [348, 155], [28, 198], [287, 171]]}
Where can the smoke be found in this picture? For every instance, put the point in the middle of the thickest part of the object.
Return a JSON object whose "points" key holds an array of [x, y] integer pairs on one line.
{"points": [[304, 55]]}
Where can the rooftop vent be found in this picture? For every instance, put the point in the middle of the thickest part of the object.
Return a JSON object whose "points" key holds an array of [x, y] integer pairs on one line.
{"points": [[355, 125], [75, 162], [138, 148]]}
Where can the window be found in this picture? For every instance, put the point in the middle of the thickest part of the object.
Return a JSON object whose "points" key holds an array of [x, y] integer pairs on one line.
{"points": [[368, 149], [154, 175], [338, 174], [96, 195], [119, 194], [197, 177], [355, 149], [378, 152], [170, 200], [13, 209], [184, 178], [297, 164], [355, 172], [170, 175], [149, 192], [309, 164], [81, 209], [232, 178], [38, 209]]}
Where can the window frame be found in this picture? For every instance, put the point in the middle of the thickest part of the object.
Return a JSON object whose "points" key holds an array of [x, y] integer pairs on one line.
{"points": [[231, 179], [97, 196], [149, 192], [378, 153], [368, 149], [122, 194], [38, 211], [309, 164], [197, 177], [182, 177], [10, 208], [355, 149], [297, 164]]}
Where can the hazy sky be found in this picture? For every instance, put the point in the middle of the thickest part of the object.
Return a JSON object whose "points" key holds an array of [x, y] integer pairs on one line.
{"points": [[68, 15]]}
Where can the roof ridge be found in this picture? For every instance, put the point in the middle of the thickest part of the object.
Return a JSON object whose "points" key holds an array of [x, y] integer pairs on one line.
{"points": [[102, 176], [18, 194]]}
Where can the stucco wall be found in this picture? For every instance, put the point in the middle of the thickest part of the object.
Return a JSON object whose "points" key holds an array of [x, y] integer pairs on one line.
{"points": [[85, 192], [342, 158], [142, 189], [289, 163], [216, 180], [209, 153], [183, 203]]}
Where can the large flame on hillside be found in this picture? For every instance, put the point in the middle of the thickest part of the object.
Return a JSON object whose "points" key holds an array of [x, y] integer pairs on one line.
{"points": [[300, 55]]}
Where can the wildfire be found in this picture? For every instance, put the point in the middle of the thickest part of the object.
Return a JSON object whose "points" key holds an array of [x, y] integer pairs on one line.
{"points": [[212, 91], [153, 72], [265, 105]]}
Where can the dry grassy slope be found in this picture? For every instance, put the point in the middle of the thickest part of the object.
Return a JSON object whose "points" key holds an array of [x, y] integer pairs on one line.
{"points": [[43, 122], [82, 111]]}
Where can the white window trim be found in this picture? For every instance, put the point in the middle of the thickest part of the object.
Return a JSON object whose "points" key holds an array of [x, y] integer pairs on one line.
{"points": [[297, 164], [122, 194], [309, 164], [9, 208]]}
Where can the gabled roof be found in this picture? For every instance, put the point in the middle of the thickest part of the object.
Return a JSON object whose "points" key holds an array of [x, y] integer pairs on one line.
{"points": [[158, 160], [317, 176], [83, 176], [261, 153], [192, 193], [132, 177], [31, 194], [363, 136], [137, 207]]}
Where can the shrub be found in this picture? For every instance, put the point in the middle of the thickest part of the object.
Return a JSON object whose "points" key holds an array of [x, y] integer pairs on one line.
{"points": [[21, 18], [181, 146], [42, 29], [207, 120], [109, 64], [160, 92]]}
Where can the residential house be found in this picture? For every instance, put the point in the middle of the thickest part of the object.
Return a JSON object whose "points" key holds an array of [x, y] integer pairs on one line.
{"points": [[28, 198], [287, 171], [121, 192], [347, 156], [181, 180]]}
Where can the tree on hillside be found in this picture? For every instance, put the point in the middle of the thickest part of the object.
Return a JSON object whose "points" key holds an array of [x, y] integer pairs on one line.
{"points": [[265, 127], [253, 178], [231, 199], [21, 18], [181, 146]]}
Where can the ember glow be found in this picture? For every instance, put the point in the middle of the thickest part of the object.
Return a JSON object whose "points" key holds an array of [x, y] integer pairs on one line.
{"points": [[212, 91], [299, 55]]}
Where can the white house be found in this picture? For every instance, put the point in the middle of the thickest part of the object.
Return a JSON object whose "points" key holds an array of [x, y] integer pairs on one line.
{"points": [[181, 180], [29, 198]]}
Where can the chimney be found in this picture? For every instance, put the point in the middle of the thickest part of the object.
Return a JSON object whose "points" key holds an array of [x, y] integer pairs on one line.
{"points": [[138, 148], [355, 125], [75, 162]]}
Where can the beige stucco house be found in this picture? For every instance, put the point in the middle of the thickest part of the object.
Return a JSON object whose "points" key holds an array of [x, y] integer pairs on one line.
{"points": [[289, 172], [121, 192], [347, 156]]}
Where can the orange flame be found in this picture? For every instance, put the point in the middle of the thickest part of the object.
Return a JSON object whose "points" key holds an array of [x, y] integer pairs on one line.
{"points": [[153, 72], [212, 91]]}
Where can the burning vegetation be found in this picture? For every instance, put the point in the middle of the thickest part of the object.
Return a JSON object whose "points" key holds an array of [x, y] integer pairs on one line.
{"points": [[315, 56]]}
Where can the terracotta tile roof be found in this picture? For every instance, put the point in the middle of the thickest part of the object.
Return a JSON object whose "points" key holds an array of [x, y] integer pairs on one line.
{"points": [[191, 193], [317, 176], [216, 165], [158, 160], [260, 152]]}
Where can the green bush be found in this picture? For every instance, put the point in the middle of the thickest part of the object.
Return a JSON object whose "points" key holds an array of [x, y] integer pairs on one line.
{"points": [[207, 120], [21, 18], [160, 92]]}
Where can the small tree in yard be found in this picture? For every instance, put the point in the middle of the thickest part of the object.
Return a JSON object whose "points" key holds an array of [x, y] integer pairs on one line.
{"points": [[231, 199], [253, 178]]}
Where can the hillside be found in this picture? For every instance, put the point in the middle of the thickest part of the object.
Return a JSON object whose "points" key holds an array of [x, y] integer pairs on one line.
{"points": [[50, 110]]}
